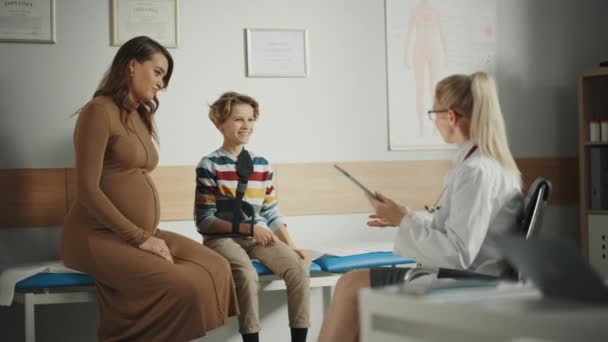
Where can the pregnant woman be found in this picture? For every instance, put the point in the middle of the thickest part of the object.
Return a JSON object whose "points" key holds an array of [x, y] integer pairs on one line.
{"points": [[151, 285]]}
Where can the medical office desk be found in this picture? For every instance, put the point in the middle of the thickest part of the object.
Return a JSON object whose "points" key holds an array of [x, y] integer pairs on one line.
{"points": [[504, 313]]}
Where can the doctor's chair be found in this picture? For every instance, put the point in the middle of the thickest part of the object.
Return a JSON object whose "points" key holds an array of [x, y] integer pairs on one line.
{"points": [[531, 223]]}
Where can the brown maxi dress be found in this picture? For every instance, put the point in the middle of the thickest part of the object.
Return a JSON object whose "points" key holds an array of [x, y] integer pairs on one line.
{"points": [[141, 296]]}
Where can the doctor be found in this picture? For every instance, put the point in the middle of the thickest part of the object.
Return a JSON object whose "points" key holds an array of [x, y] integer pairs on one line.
{"points": [[481, 201]]}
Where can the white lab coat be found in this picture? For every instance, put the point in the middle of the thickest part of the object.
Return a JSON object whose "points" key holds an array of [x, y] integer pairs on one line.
{"points": [[481, 202]]}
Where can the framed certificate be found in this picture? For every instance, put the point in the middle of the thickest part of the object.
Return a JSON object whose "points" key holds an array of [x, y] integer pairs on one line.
{"points": [[31, 21], [156, 19], [277, 52]]}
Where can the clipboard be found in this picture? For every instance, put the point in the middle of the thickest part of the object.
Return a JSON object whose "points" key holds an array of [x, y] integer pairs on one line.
{"points": [[357, 183]]}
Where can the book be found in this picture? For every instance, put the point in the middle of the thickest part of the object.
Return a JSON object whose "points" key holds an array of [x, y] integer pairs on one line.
{"points": [[598, 178]]}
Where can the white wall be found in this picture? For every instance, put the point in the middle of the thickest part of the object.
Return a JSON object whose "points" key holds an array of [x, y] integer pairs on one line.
{"points": [[338, 113], [541, 46]]}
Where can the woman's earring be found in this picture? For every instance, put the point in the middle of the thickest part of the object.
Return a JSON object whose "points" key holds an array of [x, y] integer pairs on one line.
{"points": [[131, 74]]}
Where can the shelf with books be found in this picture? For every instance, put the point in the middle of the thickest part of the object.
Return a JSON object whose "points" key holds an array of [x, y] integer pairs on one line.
{"points": [[597, 212], [593, 156], [597, 143]]}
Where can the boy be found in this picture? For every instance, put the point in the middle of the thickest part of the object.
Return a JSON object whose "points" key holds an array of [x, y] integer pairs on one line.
{"points": [[217, 181]]}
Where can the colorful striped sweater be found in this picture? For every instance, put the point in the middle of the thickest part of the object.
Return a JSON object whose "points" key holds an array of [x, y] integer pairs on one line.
{"points": [[216, 176]]}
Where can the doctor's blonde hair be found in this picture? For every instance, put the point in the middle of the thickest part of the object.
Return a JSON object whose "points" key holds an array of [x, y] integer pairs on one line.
{"points": [[475, 97]]}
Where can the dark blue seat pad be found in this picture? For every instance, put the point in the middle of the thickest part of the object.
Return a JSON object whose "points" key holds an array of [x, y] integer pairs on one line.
{"points": [[263, 270], [51, 280], [54, 280], [332, 263]]}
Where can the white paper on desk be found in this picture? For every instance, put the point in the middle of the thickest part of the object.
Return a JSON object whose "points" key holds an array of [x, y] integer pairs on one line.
{"points": [[11, 276], [455, 290]]}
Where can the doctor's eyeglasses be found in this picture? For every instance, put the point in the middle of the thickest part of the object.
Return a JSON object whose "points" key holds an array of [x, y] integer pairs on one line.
{"points": [[433, 113]]}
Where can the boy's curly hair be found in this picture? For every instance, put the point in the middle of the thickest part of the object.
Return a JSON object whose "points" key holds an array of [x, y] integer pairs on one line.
{"points": [[220, 110]]}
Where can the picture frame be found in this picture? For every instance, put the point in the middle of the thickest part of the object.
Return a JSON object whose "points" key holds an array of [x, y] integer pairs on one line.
{"points": [[157, 19], [273, 52], [31, 21], [425, 42]]}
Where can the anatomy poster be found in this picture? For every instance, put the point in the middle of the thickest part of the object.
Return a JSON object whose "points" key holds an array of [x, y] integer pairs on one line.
{"points": [[427, 40]]}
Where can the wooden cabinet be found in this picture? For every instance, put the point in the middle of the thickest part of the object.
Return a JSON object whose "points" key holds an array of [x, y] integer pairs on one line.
{"points": [[593, 161]]}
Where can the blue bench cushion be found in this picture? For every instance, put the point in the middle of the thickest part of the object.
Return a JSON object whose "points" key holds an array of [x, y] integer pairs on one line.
{"points": [[263, 270], [332, 263], [51, 280]]}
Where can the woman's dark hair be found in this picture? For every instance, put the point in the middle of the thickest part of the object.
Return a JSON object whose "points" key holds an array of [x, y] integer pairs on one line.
{"points": [[115, 82]]}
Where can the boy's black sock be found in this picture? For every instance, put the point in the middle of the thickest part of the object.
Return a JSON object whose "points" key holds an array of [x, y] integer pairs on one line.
{"points": [[253, 337], [298, 334]]}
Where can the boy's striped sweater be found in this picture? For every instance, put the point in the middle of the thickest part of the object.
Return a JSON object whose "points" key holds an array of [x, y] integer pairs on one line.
{"points": [[216, 176]]}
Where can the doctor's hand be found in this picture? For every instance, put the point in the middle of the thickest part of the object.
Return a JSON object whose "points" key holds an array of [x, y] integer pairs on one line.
{"points": [[387, 213]]}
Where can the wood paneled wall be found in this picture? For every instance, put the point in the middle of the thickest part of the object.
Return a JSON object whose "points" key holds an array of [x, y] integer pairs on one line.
{"points": [[309, 189], [41, 197], [32, 197]]}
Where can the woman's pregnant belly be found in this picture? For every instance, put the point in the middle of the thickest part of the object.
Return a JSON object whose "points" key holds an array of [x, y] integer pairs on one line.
{"points": [[134, 195]]}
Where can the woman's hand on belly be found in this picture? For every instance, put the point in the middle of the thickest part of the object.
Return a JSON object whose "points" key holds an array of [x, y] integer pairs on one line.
{"points": [[157, 246]]}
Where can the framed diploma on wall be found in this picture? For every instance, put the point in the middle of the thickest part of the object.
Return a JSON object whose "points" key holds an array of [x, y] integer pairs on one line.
{"points": [[156, 19], [31, 21], [277, 52]]}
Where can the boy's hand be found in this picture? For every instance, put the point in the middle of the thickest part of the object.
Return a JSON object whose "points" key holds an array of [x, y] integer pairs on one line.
{"points": [[302, 256], [263, 236]]}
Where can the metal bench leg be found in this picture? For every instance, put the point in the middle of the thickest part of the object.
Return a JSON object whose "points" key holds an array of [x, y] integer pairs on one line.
{"points": [[30, 317], [326, 298]]}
